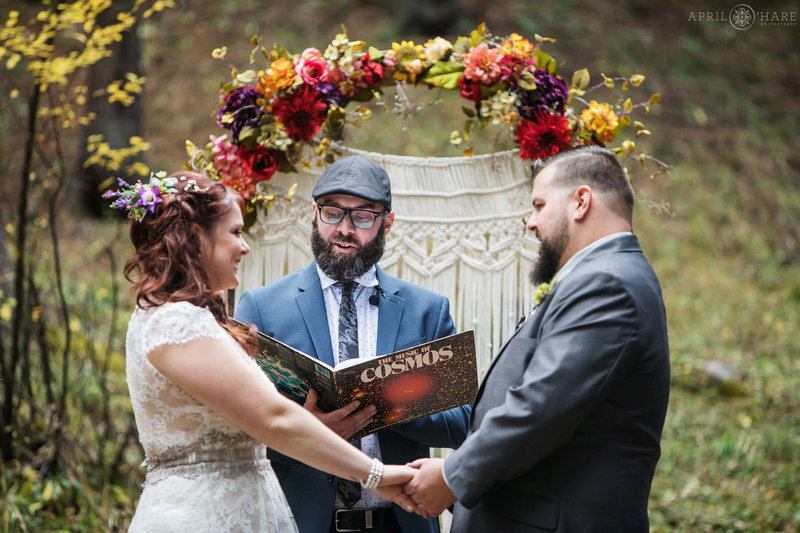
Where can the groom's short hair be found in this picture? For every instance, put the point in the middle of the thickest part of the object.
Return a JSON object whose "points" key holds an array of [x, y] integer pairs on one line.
{"points": [[596, 167]]}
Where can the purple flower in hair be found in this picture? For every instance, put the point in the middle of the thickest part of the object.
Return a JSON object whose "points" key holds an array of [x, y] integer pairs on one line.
{"points": [[123, 202], [551, 93], [240, 110], [118, 193], [149, 197], [139, 198]]}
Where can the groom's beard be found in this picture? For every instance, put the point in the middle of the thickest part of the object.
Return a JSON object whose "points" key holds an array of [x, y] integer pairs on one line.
{"points": [[343, 267], [550, 252]]}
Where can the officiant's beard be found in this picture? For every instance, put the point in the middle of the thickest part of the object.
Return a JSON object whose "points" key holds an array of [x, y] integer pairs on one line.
{"points": [[343, 267], [551, 250]]}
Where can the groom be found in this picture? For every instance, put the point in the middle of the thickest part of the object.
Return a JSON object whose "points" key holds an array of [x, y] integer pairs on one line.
{"points": [[565, 429]]}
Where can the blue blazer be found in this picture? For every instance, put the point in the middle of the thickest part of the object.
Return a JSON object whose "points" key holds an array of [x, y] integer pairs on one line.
{"points": [[292, 310]]}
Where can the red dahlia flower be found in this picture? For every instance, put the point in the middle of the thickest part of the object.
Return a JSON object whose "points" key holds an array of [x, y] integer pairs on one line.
{"points": [[547, 135], [301, 112]]}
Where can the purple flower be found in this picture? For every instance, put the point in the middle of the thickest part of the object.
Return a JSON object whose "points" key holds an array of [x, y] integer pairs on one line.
{"points": [[330, 93], [149, 197], [551, 93], [123, 202], [123, 185], [242, 104]]}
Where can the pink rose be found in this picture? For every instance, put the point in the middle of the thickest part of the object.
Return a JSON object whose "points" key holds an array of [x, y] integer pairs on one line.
{"points": [[311, 66]]}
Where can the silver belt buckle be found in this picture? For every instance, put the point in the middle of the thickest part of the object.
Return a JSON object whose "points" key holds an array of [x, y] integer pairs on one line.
{"points": [[336, 520]]}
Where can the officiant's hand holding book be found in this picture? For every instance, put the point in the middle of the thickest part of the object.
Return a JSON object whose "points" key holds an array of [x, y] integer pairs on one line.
{"points": [[402, 386]]}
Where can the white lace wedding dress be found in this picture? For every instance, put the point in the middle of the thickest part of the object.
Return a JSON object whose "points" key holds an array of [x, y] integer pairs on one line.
{"points": [[203, 474]]}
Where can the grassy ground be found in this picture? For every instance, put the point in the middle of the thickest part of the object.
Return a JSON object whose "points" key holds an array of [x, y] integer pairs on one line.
{"points": [[729, 448], [727, 251]]}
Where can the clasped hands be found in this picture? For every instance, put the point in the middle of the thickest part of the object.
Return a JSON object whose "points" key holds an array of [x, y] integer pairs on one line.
{"points": [[416, 487], [424, 490]]}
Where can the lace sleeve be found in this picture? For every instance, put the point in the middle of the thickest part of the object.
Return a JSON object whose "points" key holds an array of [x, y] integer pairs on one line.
{"points": [[179, 323]]}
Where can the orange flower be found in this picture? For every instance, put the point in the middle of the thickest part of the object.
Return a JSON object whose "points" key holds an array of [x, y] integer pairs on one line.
{"points": [[601, 120], [518, 45], [280, 75]]}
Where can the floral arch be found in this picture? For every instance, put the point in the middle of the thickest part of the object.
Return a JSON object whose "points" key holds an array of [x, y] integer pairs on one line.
{"points": [[458, 220]]}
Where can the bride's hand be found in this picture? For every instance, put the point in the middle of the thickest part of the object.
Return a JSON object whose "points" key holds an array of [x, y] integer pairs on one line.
{"points": [[391, 486]]}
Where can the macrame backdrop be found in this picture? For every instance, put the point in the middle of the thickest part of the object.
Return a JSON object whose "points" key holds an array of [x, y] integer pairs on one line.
{"points": [[459, 230]]}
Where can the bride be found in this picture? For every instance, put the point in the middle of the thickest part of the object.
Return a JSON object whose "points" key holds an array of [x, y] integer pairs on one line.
{"points": [[203, 407]]}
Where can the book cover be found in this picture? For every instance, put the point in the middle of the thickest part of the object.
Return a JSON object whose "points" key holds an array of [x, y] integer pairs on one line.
{"points": [[403, 386]]}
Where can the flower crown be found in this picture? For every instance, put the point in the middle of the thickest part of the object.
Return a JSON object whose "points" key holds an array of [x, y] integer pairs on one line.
{"points": [[138, 199], [301, 100]]}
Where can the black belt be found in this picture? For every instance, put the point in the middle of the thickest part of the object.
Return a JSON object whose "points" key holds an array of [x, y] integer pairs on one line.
{"points": [[382, 518]]}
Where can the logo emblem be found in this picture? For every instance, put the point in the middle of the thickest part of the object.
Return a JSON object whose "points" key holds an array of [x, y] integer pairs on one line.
{"points": [[742, 17]]}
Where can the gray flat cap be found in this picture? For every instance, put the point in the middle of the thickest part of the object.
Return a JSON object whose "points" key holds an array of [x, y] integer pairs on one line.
{"points": [[356, 176]]}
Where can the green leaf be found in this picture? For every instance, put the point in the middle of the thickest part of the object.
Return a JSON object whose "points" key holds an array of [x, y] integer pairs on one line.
{"points": [[478, 35], [462, 45], [47, 492], [546, 62], [247, 77], [362, 96], [250, 217], [627, 105], [469, 127], [468, 111], [334, 124], [580, 78], [374, 54], [527, 81], [444, 74], [279, 52], [636, 80], [248, 136], [191, 148]]}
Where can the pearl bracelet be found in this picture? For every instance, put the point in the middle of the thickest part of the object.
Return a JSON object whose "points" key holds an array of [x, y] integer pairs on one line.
{"points": [[375, 475]]}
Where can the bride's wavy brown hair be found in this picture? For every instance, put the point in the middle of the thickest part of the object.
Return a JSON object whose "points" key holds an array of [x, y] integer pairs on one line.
{"points": [[165, 266]]}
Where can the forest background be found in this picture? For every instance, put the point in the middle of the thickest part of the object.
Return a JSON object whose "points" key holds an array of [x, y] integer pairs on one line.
{"points": [[725, 240]]}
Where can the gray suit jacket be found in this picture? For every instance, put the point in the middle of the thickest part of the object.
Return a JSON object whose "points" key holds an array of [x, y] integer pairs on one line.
{"points": [[566, 426]]}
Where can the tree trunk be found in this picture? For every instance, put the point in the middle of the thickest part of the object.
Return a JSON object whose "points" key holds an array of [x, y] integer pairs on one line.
{"points": [[116, 122]]}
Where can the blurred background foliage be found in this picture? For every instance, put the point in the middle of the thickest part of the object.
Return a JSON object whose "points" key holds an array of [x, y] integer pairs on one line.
{"points": [[727, 248]]}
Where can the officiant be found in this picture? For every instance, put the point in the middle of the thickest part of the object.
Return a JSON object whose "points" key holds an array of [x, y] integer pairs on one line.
{"points": [[344, 306]]}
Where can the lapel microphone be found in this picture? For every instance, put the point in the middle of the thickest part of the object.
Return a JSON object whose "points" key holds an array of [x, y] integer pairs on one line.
{"points": [[373, 300]]}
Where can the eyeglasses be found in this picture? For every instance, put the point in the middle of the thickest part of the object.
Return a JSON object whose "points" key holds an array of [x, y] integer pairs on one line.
{"points": [[361, 218]]}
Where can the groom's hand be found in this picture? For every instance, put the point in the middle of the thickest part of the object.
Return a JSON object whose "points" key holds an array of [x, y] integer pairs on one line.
{"points": [[345, 421], [427, 488]]}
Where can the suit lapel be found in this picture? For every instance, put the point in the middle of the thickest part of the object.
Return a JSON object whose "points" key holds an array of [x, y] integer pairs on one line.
{"points": [[628, 243], [531, 324], [390, 311], [312, 307]]}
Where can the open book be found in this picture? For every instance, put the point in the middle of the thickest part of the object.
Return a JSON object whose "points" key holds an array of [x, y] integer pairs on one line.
{"points": [[403, 386]]}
